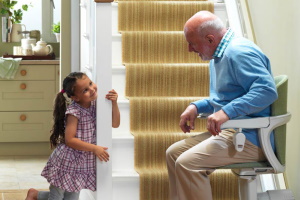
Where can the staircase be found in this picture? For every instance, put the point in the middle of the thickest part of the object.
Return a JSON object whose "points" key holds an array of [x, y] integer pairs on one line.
{"points": [[125, 179]]}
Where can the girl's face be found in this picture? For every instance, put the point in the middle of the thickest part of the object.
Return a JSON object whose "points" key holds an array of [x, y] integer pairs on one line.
{"points": [[85, 91]]}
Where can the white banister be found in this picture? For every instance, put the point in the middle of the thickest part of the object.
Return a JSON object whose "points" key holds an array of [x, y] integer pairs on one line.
{"points": [[103, 67], [239, 18]]}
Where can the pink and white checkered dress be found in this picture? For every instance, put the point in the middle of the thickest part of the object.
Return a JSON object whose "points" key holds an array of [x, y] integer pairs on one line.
{"points": [[70, 169]]}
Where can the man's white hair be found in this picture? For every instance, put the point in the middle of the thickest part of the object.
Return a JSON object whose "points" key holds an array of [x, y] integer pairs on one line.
{"points": [[211, 25]]}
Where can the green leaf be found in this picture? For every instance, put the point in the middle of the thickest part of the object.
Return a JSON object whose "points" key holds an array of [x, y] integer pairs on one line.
{"points": [[3, 11], [56, 27], [13, 3], [25, 7], [8, 7]]}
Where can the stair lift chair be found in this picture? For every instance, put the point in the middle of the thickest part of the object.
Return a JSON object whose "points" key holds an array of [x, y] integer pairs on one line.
{"points": [[275, 163]]}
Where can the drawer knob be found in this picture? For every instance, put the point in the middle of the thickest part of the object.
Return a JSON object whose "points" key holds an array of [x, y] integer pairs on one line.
{"points": [[23, 117], [23, 86], [23, 72]]}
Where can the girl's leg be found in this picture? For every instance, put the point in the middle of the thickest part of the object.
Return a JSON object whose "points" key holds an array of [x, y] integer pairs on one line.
{"points": [[34, 194], [43, 195], [56, 193], [71, 196]]}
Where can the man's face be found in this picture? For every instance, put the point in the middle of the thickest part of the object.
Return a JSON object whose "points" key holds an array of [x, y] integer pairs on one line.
{"points": [[199, 45]]}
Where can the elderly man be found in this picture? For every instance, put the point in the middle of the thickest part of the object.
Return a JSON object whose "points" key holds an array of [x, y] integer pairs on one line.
{"points": [[241, 86]]}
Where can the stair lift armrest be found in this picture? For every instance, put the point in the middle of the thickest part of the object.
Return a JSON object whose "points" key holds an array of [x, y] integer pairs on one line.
{"points": [[239, 138], [251, 123], [264, 138]]}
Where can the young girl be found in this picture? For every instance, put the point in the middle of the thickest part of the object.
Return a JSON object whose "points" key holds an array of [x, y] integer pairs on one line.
{"points": [[72, 165]]}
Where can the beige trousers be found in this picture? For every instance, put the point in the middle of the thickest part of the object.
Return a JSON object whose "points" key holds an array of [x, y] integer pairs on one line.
{"points": [[191, 160]]}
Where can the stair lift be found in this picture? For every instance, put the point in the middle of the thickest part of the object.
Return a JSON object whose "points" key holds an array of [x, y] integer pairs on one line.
{"points": [[247, 172]]}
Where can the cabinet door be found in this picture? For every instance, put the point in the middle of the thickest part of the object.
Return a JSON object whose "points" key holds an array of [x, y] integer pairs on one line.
{"points": [[25, 126], [27, 95]]}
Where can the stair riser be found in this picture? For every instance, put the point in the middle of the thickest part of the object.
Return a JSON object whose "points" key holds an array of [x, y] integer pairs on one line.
{"points": [[122, 154], [118, 81], [126, 188]]}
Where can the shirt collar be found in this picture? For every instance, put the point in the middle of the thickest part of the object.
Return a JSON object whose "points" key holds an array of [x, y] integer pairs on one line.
{"points": [[224, 43]]}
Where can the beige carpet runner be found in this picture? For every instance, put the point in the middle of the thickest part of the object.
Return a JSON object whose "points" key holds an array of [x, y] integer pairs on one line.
{"points": [[166, 80], [162, 78], [156, 47], [158, 15]]}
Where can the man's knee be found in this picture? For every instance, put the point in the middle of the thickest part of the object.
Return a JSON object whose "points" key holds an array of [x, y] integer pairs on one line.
{"points": [[171, 152], [183, 162]]}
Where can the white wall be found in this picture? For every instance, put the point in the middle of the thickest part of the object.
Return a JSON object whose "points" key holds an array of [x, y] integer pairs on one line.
{"points": [[277, 29]]}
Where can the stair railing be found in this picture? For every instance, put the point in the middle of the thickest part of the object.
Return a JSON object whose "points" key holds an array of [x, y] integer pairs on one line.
{"points": [[239, 18]]}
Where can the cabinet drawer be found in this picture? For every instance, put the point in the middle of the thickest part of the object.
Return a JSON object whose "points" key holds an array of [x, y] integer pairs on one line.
{"points": [[27, 95], [25, 126], [35, 72]]}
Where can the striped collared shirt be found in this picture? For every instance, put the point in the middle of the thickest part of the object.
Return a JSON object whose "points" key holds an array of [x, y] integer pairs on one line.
{"points": [[224, 42]]}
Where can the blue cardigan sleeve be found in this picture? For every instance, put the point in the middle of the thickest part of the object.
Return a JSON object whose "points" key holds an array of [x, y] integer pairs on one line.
{"points": [[203, 106]]}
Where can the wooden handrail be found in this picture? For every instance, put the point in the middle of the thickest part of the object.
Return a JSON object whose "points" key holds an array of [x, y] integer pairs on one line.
{"points": [[103, 1]]}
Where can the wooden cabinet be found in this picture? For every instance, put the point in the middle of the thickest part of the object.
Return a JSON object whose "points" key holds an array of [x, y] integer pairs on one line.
{"points": [[26, 102]]}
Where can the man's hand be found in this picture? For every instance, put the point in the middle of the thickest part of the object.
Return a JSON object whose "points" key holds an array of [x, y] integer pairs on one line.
{"points": [[214, 122], [189, 115]]}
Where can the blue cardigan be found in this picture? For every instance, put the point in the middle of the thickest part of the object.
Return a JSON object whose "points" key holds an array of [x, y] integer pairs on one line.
{"points": [[241, 84]]}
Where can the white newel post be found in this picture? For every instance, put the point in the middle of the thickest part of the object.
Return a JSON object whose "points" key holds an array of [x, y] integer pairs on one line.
{"points": [[103, 67]]}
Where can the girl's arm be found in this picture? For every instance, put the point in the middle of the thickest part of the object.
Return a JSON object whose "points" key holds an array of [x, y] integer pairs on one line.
{"points": [[113, 96], [75, 143]]}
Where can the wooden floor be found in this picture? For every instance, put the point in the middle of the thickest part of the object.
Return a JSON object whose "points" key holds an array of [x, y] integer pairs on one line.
{"points": [[19, 173], [13, 194]]}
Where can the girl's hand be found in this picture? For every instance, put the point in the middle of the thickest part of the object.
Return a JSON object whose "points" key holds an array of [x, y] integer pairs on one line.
{"points": [[101, 153], [112, 95]]}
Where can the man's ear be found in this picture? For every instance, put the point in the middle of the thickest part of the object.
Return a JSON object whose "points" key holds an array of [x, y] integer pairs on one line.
{"points": [[210, 38]]}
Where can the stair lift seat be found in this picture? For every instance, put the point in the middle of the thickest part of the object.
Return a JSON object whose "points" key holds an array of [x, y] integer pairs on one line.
{"points": [[275, 163]]}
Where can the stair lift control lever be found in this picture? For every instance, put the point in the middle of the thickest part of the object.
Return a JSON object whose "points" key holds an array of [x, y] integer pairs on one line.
{"points": [[239, 140]]}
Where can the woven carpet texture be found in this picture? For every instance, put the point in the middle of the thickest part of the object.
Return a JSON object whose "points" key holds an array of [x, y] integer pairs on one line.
{"points": [[158, 15]]}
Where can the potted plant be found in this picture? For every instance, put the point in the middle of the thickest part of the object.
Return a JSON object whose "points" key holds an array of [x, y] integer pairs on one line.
{"points": [[7, 7], [56, 30], [14, 17]]}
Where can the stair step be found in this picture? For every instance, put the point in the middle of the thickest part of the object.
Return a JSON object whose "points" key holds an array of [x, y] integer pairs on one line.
{"points": [[125, 183], [219, 9], [122, 152]]}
